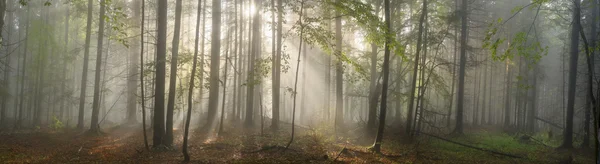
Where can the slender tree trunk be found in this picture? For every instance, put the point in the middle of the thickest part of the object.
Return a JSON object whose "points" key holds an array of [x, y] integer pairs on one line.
{"points": [[411, 99], [215, 63], [568, 131], [7, 60], [191, 89], [133, 65], [24, 71], [373, 96], [461, 73], [277, 67], [173, 76], [86, 56], [339, 74], [297, 70], [224, 83], [508, 82], [201, 67], [63, 95], [386, 74], [143, 98], [94, 126], [252, 62]]}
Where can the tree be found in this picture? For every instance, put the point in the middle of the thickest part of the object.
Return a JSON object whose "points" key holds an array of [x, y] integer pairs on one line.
{"points": [[86, 56], [413, 83], [386, 74], [254, 52], [277, 67], [133, 65], [373, 93], [173, 76], [461, 70], [142, 74], [94, 126], [339, 73], [159, 92], [186, 156], [215, 60], [574, 51], [295, 94]]}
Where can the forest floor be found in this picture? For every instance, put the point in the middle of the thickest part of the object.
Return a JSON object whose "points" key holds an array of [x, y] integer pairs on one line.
{"points": [[125, 145]]}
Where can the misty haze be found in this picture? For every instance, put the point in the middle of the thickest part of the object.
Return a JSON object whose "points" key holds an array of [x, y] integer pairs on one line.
{"points": [[299, 81]]}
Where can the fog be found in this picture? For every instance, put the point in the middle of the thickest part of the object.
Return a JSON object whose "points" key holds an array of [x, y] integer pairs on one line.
{"points": [[258, 72]]}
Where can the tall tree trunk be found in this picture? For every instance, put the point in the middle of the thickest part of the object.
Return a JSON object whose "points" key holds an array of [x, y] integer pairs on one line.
{"points": [[86, 57], [173, 76], [159, 92], [24, 71], [339, 73], [453, 69], [461, 73], [215, 63], [94, 126], [568, 131], [63, 94], [143, 98], [132, 76], [224, 83], [373, 96], [191, 89], [295, 93], [201, 67], [386, 74], [593, 41], [254, 53], [7, 60], [507, 89], [277, 67], [413, 83]]}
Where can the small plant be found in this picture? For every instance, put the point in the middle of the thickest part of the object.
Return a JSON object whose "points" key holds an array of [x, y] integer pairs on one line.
{"points": [[57, 124]]}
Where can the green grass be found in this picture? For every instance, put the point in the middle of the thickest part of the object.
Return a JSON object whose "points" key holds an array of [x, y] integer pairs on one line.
{"points": [[531, 151]]}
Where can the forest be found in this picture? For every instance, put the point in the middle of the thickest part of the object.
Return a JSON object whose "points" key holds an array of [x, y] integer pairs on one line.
{"points": [[299, 81]]}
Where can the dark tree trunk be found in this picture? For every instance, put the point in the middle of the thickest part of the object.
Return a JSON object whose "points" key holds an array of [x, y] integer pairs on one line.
{"points": [[568, 132], [94, 126], [86, 56], [159, 92], [143, 99], [191, 89], [373, 97], [254, 52], [386, 74], [215, 63], [461, 72], [173, 76], [413, 83]]}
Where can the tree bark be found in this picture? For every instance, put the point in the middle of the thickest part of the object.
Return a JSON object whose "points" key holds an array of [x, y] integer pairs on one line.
{"points": [[94, 126], [461, 73], [339, 73], [173, 76], [574, 51], [386, 74], [159, 91], [86, 56], [215, 63], [191, 89]]}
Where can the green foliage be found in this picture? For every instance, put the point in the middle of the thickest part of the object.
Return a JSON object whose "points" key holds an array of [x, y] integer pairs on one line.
{"points": [[56, 124]]}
